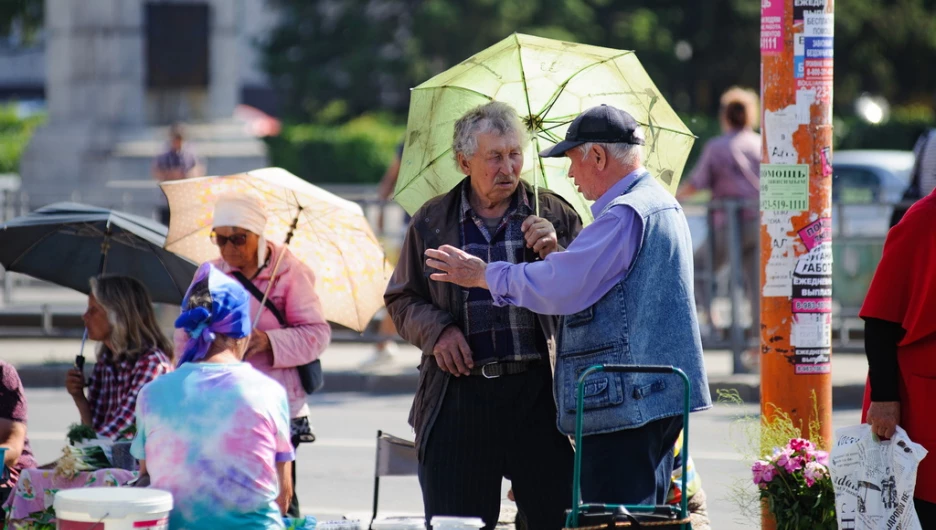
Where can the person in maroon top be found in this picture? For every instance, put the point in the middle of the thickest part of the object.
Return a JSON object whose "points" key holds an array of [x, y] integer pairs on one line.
{"points": [[730, 167], [133, 352], [13, 429]]}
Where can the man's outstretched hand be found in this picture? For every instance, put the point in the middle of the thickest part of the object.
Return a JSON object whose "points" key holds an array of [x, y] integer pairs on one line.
{"points": [[457, 266]]}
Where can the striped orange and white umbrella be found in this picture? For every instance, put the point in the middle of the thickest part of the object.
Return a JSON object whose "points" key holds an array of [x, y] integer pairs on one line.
{"points": [[332, 235]]}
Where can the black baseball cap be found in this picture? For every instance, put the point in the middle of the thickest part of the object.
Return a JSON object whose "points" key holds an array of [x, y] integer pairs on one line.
{"points": [[603, 124]]}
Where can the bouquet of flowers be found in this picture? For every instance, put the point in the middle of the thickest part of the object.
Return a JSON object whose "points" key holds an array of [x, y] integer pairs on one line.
{"points": [[795, 484]]}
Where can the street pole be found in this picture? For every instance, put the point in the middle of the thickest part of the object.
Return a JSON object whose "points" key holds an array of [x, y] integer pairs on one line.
{"points": [[795, 203]]}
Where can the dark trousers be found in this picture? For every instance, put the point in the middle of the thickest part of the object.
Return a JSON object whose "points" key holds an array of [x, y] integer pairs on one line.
{"points": [[488, 429], [293, 510], [632, 466]]}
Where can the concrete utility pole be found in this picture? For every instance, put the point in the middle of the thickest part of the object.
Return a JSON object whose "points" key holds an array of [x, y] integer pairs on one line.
{"points": [[796, 210]]}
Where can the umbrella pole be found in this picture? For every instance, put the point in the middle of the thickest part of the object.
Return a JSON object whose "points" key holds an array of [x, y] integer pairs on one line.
{"points": [[102, 265], [289, 235], [535, 174]]}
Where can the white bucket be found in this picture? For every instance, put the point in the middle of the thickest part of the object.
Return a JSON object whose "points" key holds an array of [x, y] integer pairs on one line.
{"points": [[456, 523], [112, 509], [399, 523]]}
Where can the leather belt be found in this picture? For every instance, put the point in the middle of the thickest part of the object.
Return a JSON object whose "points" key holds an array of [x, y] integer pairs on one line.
{"points": [[494, 370]]}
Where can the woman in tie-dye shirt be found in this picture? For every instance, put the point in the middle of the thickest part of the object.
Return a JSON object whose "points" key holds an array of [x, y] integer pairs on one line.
{"points": [[215, 432]]}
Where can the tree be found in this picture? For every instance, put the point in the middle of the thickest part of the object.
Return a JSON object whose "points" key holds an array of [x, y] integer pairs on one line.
{"points": [[23, 17], [343, 57]]}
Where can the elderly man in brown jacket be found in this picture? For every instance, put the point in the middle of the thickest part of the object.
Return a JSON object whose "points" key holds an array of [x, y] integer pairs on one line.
{"points": [[484, 409]]}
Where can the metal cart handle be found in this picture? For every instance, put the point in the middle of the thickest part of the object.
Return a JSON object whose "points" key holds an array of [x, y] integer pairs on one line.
{"points": [[580, 412]]}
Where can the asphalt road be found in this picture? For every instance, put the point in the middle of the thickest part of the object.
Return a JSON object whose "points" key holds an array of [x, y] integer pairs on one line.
{"points": [[335, 474]]}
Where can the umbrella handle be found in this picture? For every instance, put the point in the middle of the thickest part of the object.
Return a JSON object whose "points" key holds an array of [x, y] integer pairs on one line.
{"points": [[266, 294], [80, 358]]}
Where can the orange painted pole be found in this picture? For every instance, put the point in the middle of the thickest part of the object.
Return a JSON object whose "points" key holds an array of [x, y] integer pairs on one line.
{"points": [[795, 201]]}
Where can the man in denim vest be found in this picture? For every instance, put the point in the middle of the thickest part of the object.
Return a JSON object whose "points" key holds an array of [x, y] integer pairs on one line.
{"points": [[625, 290]]}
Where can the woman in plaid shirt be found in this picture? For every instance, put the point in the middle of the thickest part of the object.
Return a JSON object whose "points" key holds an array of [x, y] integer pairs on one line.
{"points": [[133, 352]]}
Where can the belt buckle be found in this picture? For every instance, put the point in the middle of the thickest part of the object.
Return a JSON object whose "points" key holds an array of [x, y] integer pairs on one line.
{"points": [[484, 373]]}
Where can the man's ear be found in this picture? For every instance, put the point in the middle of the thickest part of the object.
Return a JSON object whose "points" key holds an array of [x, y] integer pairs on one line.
{"points": [[601, 157], [463, 164]]}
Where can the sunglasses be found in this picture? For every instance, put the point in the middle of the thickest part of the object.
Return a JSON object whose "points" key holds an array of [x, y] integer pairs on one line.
{"points": [[238, 240]]}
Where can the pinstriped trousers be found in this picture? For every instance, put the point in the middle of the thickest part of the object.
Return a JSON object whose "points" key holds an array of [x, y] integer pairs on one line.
{"points": [[488, 429]]}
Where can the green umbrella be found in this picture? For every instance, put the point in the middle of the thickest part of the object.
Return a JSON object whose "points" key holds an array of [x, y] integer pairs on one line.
{"points": [[549, 82]]}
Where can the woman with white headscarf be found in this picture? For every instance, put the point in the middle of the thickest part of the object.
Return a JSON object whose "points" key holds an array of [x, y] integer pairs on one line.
{"points": [[274, 349]]}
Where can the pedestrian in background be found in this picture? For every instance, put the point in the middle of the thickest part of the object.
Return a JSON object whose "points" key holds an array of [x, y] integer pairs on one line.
{"points": [[730, 168], [177, 163], [923, 176]]}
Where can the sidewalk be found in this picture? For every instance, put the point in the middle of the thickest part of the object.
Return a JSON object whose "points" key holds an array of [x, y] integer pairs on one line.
{"points": [[43, 363]]}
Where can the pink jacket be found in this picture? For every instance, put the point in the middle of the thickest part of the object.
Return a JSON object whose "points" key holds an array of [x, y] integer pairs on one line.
{"points": [[307, 335]]}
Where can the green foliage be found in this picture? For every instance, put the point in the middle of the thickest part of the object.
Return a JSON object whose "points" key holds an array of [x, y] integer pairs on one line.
{"points": [[365, 55], [78, 432], [24, 15], [355, 152], [900, 132], [14, 135]]}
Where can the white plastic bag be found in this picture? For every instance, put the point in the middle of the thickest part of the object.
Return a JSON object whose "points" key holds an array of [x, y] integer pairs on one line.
{"points": [[874, 479]]}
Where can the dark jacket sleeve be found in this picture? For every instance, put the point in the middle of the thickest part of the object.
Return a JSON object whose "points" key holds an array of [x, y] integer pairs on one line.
{"points": [[881, 339], [408, 299]]}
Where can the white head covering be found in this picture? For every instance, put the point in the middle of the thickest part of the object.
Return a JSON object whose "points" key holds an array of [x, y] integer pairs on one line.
{"points": [[243, 211]]}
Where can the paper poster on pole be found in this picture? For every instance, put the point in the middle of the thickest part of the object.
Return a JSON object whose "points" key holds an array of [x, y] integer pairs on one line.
{"points": [[811, 301], [784, 187], [778, 271], [801, 7], [772, 24]]}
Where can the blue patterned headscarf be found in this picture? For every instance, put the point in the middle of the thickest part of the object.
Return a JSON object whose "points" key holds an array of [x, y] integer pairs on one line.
{"points": [[229, 314]]}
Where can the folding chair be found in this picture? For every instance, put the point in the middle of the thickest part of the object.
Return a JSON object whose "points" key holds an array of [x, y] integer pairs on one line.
{"points": [[396, 457]]}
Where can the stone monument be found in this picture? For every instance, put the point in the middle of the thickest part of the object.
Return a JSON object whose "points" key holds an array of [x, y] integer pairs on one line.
{"points": [[118, 73]]}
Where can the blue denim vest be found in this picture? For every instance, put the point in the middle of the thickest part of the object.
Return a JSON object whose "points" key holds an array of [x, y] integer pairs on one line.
{"points": [[649, 317]]}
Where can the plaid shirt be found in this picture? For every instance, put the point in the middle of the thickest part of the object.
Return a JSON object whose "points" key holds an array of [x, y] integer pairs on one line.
{"points": [[114, 387], [507, 333]]}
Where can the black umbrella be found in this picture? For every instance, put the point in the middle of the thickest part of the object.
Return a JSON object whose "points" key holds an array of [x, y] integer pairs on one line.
{"points": [[68, 243]]}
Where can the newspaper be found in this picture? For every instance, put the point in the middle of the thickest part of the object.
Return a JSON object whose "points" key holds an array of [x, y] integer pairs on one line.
{"points": [[874, 480]]}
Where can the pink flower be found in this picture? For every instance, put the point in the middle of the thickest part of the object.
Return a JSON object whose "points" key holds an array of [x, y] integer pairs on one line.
{"points": [[769, 474], [813, 472], [782, 458], [821, 457], [758, 471], [794, 464], [799, 444]]}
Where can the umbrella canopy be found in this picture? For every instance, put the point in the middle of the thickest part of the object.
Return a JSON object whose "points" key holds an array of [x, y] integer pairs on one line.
{"points": [[549, 82], [68, 243], [331, 235]]}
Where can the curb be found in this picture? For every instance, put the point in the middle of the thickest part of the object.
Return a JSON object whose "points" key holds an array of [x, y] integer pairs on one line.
{"points": [[847, 395]]}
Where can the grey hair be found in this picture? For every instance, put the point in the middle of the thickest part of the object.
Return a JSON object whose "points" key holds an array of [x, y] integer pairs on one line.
{"points": [[495, 116], [628, 155]]}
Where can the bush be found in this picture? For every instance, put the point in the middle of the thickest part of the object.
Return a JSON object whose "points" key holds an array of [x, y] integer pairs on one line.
{"points": [[356, 152], [15, 133], [900, 132]]}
